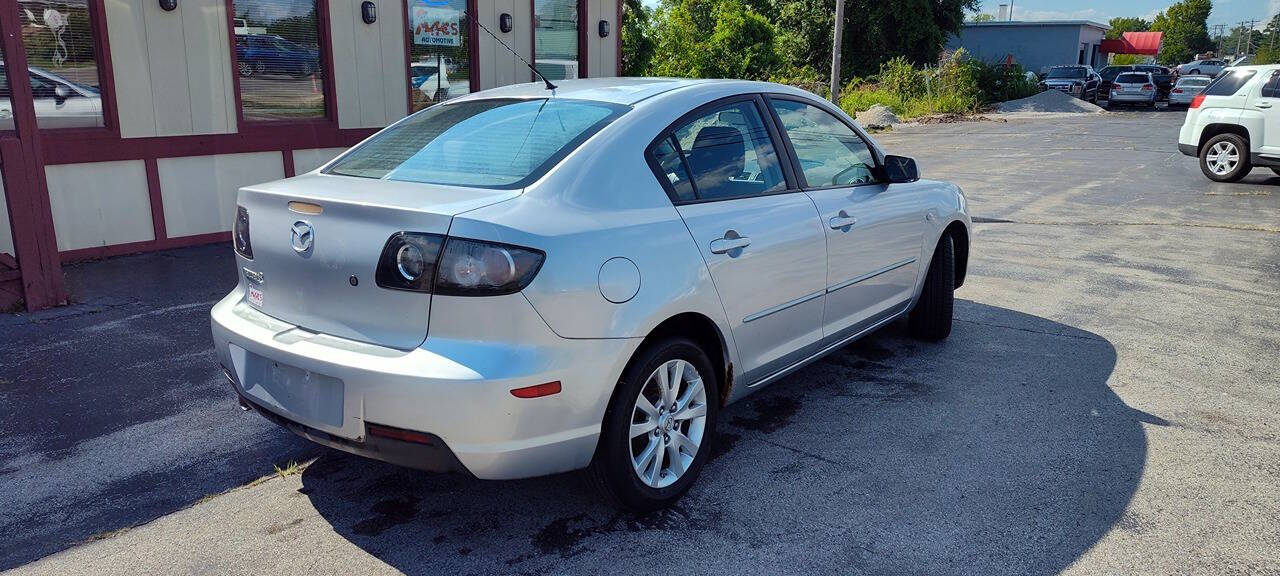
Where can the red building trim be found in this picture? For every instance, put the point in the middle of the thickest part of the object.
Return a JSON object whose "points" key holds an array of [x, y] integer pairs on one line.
{"points": [[66, 149], [289, 170], [157, 201], [473, 46], [97, 252], [617, 37], [27, 192], [408, 56], [583, 38], [533, 41]]}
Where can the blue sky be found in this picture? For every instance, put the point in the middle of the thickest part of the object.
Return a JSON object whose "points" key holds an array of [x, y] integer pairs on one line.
{"points": [[1230, 12]]}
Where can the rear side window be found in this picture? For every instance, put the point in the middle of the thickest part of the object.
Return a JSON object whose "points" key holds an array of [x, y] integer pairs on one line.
{"points": [[1230, 83], [725, 153], [496, 143], [1132, 79], [1272, 88]]}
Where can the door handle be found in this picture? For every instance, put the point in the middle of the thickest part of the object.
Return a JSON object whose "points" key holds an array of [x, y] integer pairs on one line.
{"points": [[842, 220], [1263, 105], [729, 243]]}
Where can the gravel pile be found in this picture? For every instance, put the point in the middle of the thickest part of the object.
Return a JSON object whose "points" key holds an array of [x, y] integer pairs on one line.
{"points": [[877, 117], [1051, 101]]}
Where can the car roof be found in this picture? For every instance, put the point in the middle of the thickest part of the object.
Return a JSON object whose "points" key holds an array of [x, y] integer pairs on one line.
{"points": [[1258, 67], [627, 91]]}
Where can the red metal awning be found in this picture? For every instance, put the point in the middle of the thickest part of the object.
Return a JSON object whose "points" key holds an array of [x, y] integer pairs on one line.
{"points": [[1145, 43]]}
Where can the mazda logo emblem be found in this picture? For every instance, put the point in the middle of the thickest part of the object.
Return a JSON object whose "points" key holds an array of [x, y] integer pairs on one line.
{"points": [[303, 236]]}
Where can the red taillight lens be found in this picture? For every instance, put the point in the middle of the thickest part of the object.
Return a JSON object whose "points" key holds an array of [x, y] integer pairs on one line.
{"points": [[240, 237], [537, 391], [1177, 90], [1148, 87], [1197, 101]]}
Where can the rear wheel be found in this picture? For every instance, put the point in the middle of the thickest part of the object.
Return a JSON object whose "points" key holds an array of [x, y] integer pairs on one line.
{"points": [[1225, 158], [659, 429], [931, 318]]}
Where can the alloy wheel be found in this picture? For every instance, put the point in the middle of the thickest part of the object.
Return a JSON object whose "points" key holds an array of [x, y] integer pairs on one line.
{"points": [[668, 423], [245, 68], [1223, 158]]}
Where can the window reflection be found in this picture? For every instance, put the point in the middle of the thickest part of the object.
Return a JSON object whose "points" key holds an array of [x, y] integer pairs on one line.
{"points": [[58, 38], [555, 38], [439, 44], [277, 48]]}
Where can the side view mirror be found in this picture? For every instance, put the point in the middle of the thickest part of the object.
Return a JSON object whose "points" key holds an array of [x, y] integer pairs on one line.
{"points": [[60, 94], [901, 169]]}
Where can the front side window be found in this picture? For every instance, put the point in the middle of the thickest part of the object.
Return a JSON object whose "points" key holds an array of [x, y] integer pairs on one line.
{"points": [[439, 40], [481, 143], [1272, 88], [724, 153], [58, 37], [278, 59], [555, 38], [830, 153]]}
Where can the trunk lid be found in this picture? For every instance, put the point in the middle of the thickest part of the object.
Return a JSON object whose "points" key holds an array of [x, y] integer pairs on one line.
{"points": [[329, 286]]}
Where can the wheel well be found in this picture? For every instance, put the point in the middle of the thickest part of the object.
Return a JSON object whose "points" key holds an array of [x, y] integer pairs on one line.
{"points": [[960, 238], [1213, 130], [704, 332]]}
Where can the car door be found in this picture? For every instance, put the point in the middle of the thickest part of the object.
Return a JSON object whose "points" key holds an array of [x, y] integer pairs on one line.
{"points": [[758, 233], [873, 228], [1267, 103]]}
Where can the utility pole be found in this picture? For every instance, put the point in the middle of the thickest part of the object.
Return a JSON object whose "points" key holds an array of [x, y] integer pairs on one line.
{"points": [[835, 53]]}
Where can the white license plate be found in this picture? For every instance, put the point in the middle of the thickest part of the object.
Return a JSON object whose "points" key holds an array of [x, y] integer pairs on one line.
{"points": [[255, 296]]}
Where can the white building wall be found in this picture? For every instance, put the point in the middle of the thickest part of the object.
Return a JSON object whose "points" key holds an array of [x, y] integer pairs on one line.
{"points": [[370, 71], [172, 69], [498, 67], [99, 203], [199, 192], [602, 53], [307, 160]]}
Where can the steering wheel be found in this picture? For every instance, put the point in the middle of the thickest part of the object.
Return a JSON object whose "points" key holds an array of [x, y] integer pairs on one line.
{"points": [[835, 180]]}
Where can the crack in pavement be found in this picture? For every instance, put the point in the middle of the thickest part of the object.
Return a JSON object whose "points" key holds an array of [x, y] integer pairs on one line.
{"points": [[1076, 336]]}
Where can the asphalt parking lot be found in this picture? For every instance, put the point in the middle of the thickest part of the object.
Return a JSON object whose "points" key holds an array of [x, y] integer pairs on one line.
{"points": [[1106, 404]]}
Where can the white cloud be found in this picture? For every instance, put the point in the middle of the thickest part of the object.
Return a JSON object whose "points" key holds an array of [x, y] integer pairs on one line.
{"points": [[1037, 15]]}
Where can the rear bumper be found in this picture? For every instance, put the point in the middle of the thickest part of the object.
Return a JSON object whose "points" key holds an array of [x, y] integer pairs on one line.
{"points": [[1132, 98], [1188, 149], [330, 389]]}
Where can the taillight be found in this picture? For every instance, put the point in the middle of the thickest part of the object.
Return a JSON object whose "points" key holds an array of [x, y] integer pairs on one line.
{"points": [[241, 240], [1177, 90], [434, 264], [1148, 87], [1197, 101]]}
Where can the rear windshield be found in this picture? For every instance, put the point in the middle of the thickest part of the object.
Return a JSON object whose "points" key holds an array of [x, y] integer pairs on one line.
{"points": [[1228, 83], [1194, 82], [1066, 73], [1132, 79], [499, 143]]}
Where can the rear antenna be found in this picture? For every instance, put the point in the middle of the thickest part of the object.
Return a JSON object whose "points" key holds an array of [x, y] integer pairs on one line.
{"points": [[550, 86]]}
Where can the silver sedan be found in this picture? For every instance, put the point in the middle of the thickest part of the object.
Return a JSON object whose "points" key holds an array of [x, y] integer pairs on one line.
{"points": [[521, 281]]}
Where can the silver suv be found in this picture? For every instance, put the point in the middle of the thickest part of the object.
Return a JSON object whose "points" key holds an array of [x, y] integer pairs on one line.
{"points": [[522, 281]]}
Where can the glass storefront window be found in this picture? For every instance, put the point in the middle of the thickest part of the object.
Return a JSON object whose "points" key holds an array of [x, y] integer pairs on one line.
{"points": [[61, 65], [439, 44], [277, 44], [555, 38]]}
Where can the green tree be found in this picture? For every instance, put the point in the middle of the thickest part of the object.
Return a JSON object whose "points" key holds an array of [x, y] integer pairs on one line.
{"points": [[1126, 24], [1185, 30], [638, 45], [876, 31], [713, 39], [983, 17]]}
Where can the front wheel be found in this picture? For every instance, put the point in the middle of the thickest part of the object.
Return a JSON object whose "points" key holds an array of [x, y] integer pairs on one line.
{"points": [[1225, 158], [931, 318], [659, 429]]}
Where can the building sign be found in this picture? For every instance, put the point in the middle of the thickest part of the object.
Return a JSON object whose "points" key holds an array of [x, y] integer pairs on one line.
{"points": [[436, 24]]}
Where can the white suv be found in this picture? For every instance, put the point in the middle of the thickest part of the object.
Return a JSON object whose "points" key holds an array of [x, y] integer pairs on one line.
{"points": [[1234, 124]]}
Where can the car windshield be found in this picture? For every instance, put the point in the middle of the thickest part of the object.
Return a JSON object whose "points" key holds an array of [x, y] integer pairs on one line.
{"points": [[1131, 79], [1228, 83], [496, 143], [1110, 72], [1066, 73]]}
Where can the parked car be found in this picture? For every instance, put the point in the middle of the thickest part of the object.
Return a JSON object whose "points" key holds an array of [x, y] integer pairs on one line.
{"points": [[258, 54], [1210, 67], [428, 80], [1187, 88], [1162, 76], [1133, 88], [59, 102], [1234, 123], [1079, 81], [601, 273]]}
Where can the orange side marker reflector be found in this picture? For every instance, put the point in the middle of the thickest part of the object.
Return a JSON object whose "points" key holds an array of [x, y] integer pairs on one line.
{"points": [[537, 391]]}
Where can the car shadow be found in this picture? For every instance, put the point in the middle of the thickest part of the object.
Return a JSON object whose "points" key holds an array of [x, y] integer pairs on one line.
{"points": [[1001, 450]]}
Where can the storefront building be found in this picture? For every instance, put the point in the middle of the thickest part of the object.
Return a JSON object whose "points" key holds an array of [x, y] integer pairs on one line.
{"points": [[128, 125]]}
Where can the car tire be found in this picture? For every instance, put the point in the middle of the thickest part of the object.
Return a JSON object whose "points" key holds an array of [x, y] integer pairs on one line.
{"points": [[931, 318], [614, 467], [1195, 72], [1220, 169]]}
